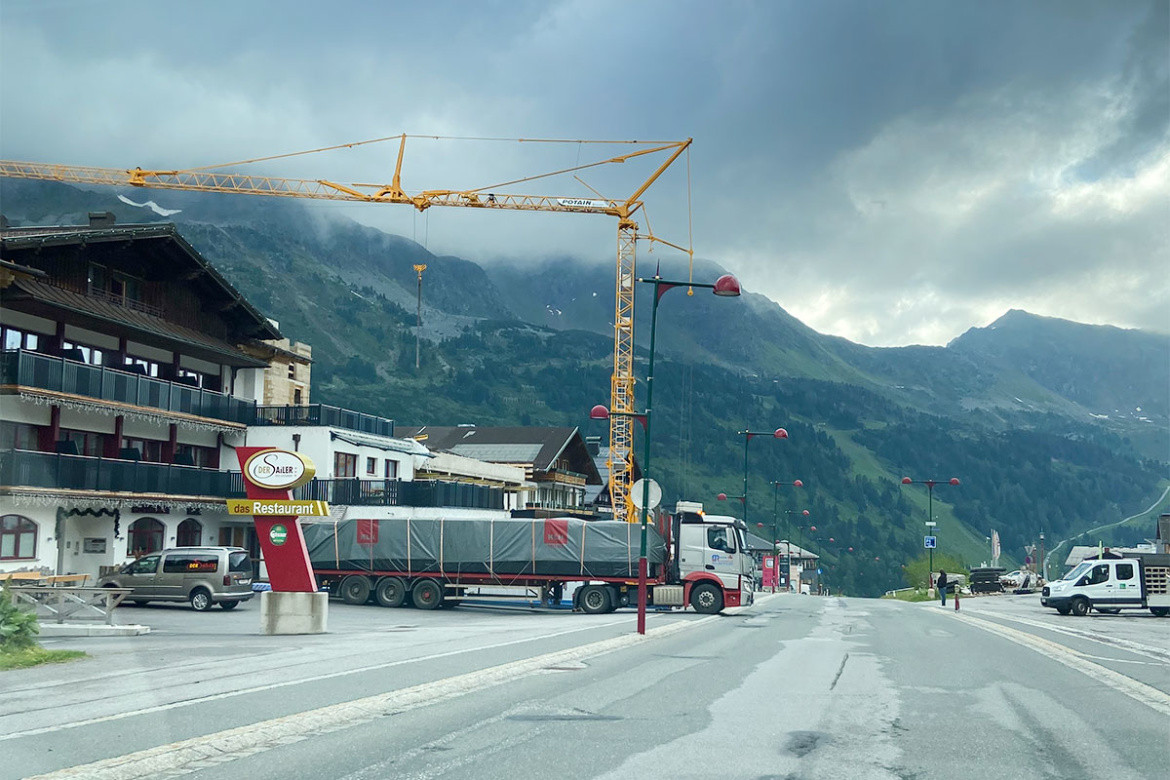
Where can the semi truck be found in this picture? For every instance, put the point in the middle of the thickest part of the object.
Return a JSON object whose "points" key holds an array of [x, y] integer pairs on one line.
{"points": [[1111, 585], [693, 559]]}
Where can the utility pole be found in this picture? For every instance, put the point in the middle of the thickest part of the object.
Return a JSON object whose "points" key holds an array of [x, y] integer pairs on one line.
{"points": [[419, 268]]}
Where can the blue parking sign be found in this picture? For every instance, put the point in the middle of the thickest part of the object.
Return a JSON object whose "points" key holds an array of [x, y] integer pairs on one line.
{"points": [[928, 542]]}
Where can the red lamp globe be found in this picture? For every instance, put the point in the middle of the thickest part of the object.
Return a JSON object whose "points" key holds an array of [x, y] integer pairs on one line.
{"points": [[726, 286], [599, 412]]}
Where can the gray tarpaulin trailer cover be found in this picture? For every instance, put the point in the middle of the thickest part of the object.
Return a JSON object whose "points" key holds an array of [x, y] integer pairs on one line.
{"points": [[560, 547]]}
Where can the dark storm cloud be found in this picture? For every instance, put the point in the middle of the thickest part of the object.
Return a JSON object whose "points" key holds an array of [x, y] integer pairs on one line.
{"points": [[887, 171]]}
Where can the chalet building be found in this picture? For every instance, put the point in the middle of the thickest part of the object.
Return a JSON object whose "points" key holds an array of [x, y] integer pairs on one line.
{"points": [[597, 496], [131, 370], [288, 376], [556, 461]]}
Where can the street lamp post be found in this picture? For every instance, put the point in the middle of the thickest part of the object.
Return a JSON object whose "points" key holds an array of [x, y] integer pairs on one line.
{"points": [[779, 433], [796, 483], [930, 483], [788, 525], [726, 286]]}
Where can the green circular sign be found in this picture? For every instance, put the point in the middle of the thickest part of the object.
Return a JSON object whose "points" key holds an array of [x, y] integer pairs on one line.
{"points": [[277, 534]]}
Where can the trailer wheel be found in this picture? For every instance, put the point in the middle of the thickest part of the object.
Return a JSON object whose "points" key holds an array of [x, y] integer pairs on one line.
{"points": [[355, 589], [1160, 611], [594, 600], [707, 598], [390, 592], [427, 594], [1080, 607]]}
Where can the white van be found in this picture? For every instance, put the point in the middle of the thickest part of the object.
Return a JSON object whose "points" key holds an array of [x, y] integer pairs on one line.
{"points": [[1112, 585]]}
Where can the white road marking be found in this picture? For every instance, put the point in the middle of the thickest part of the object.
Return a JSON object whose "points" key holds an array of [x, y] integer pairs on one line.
{"points": [[1156, 653], [285, 683], [1138, 691], [193, 754]]}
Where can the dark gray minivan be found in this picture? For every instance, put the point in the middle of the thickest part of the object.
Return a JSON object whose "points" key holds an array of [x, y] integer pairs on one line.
{"points": [[200, 575]]}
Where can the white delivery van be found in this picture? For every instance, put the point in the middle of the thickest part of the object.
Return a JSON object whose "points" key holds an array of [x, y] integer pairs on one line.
{"points": [[1110, 585]]}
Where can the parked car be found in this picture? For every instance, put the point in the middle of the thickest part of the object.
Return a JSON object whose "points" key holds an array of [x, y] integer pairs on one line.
{"points": [[1014, 579], [201, 575]]}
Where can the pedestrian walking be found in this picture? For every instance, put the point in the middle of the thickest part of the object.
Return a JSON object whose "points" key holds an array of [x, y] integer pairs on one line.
{"points": [[942, 585]]}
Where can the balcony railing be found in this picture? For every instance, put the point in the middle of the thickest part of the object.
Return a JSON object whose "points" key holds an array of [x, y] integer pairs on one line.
{"points": [[32, 369], [79, 472], [319, 414]]}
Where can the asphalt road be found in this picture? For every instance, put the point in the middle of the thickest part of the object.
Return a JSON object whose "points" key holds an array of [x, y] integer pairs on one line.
{"points": [[795, 687]]}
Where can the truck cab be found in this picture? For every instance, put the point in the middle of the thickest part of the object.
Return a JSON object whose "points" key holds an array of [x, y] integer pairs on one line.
{"points": [[712, 550], [1110, 585]]}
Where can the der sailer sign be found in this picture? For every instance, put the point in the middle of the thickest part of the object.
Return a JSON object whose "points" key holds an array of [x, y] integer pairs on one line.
{"points": [[269, 476], [279, 469]]}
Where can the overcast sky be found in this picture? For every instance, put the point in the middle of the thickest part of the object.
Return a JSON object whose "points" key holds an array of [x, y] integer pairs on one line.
{"points": [[893, 172]]}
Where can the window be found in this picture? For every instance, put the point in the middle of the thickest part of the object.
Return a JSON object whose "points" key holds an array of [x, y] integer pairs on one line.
{"points": [[147, 565], [146, 536], [88, 442], [113, 285], [14, 338], [142, 366], [18, 538], [1125, 571], [1099, 574], [344, 465], [391, 469], [371, 466], [717, 539], [190, 533], [192, 455], [177, 563], [239, 562], [18, 436], [292, 370], [83, 353], [148, 449], [297, 397], [193, 378]]}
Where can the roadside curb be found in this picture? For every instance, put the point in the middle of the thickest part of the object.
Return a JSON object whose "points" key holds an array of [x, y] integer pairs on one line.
{"points": [[55, 630]]}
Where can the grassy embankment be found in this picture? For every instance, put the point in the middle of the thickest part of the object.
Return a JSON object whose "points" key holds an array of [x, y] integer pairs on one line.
{"points": [[18, 630], [36, 655]]}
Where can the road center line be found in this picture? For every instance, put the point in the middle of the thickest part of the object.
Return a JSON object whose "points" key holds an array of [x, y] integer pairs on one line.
{"points": [[1146, 694], [188, 755]]}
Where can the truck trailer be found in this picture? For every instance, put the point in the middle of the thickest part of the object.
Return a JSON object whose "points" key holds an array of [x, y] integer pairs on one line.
{"points": [[1111, 585], [693, 559]]}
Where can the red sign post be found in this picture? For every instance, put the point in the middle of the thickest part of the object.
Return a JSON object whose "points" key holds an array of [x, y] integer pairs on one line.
{"points": [[281, 542]]}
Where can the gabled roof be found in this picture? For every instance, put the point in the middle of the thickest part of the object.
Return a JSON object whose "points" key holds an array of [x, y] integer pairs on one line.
{"points": [[537, 446], [160, 254]]}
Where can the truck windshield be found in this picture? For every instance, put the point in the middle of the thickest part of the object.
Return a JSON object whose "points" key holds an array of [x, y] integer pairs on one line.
{"points": [[1080, 569]]}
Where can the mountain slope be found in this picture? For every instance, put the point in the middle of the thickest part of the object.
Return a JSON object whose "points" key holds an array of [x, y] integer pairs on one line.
{"points": [[532, 345]]}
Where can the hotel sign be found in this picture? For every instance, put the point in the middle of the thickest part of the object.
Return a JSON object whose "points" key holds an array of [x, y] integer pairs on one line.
{"points": [[278, 469]]}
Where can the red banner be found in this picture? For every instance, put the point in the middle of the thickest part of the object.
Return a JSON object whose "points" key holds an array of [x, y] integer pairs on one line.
{"points": [[556, 532]]}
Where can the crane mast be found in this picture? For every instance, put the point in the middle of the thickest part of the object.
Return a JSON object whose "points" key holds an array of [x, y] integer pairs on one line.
{"points": [[622, 403]]}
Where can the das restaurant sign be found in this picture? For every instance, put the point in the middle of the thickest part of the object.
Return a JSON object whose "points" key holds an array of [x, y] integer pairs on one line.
{"points": [[278, 469]]}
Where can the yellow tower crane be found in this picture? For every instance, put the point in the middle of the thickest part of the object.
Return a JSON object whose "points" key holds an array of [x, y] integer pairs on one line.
{"points": [[209, 179]]}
